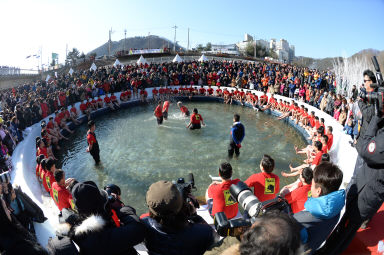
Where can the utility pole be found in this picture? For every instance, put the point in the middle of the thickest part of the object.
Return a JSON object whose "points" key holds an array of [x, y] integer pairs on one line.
{"points": [[188, 41], [174, 40], [254, 38], [66, 51], [109, 43], [125, 39]]}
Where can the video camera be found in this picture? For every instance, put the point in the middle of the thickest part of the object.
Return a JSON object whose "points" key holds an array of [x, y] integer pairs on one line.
{"points": [[186, 188], [377, 97], [249, 202]]}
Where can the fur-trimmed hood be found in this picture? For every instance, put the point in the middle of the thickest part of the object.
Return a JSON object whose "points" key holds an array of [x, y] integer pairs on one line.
{"points": [[93, 223]]}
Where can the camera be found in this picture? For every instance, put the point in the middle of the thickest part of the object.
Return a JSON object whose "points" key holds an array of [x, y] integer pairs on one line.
{"points": [[186, 188], [377, 97], [249, 202], [5, 177]]}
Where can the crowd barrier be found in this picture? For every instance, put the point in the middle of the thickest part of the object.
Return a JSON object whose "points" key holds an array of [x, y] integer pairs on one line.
{"points": [[24, 156]]}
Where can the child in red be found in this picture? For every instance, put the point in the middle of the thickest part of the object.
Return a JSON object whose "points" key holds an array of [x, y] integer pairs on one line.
{"points": [[265, 184]]}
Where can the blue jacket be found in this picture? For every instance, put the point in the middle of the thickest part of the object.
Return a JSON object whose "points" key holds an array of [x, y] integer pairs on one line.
{"points": [[237, 132], [320, 216]]}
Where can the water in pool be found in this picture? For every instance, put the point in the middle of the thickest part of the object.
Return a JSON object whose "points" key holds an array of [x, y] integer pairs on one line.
{"points": [[135, 152]]}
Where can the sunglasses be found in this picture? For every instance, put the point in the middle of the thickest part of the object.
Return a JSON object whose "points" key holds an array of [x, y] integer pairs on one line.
{"points": [[366, 80]]}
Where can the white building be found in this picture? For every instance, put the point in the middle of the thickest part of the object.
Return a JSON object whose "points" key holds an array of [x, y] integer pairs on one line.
{"points": [[284, 51]]}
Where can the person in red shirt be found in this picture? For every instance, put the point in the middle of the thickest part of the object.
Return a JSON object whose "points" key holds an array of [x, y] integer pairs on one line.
{"points": [[38, 166], [143, 95], [154, 94], [114, 101], [210, 91], [324, 141], [108, 102], [311, 162], [93, 145], [219, 198], [202, 90], [84, 109], [161, 92], [297, 197], [184, 110], [265, 184], [165, 110], [330, 137], [73, 115], [196, 120], [60, 193], [159, 113], [100, 102], [48, 175]]}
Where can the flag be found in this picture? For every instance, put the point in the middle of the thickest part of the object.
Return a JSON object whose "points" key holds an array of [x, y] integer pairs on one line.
{"points": [[71, 71], [56, 74], [55, 56], [48, 77]]}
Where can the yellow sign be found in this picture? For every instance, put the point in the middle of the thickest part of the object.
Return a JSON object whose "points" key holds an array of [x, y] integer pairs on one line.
{"points": [[228, 199], [72, 204], [269, 186], [55, 195], [48, 182]]}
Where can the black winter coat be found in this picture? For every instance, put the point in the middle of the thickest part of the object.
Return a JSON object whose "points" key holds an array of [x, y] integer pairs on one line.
{"points": [[96, 236]]}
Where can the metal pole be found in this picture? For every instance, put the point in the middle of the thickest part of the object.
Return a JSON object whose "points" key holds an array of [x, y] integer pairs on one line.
{"points": [[109, 43], [188, 41], [174, 39], [125, 39]]}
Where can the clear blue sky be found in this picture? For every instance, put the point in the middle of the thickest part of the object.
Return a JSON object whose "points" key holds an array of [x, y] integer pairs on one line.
{"points": [[317, 28]]}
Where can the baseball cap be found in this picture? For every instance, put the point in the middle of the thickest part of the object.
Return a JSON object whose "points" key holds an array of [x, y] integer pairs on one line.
{"points": [[163, 199]]}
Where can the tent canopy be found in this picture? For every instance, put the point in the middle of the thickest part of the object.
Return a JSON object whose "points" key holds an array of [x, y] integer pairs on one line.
{"points": [[203, 58], [117, 63], [142, 60], [177, 59]]}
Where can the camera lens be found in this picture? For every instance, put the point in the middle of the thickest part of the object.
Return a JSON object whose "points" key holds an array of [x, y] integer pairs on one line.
{"points": [[246, 198]]}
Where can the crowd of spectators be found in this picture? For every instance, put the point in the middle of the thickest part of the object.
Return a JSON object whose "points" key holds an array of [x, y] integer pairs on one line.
{"points": [[29, 103]]}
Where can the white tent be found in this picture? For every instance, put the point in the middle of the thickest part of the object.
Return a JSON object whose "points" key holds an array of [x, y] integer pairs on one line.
{"points": [[203, 58], [142, 60], [71, 71], [93, 67], [177, 59], [117, 63]]}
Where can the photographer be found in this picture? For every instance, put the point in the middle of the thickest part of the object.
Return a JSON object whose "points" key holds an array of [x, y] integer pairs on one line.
{"points": [[93, 229], [365, 193], [169, 231]]}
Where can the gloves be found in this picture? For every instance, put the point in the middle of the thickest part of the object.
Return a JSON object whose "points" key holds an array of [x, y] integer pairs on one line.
{"points": [[238, 145]]}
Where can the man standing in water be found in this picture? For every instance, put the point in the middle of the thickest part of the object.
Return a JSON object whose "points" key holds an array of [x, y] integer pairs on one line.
{"points": [[196, 120], [93, 145], [237, 136], [165, 110], [158, 113]]}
